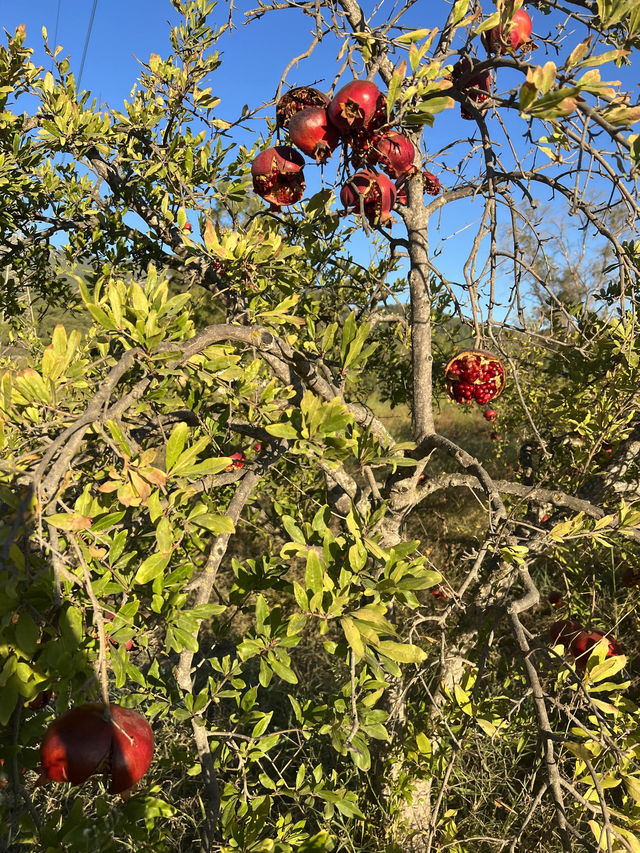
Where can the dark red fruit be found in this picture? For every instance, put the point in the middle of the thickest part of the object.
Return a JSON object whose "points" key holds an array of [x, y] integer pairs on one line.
{"points": [[490, 414], [476, 87], [631, 577], [313, 133], [582, 645], [440, 593], [374, 191], [82, 743], [516, 36], [277, 175], [394, 152], [494, 436], [564, 631], [544, 519], [359, 104], [474, 375], [555, 597], [430, 184], [298, 99]]}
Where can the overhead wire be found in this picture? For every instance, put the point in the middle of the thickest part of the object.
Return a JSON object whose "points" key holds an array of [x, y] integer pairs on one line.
{"points": [[86, 41]]}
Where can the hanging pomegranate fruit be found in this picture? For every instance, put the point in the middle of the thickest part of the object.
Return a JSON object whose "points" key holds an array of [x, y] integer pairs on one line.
{"points": [[84, 742], [474, 375], [374, 191], [298, 99], [517, 35], [312, 132], [277, 175], [477, 88], [394, 152], [582, 645], [359, 104]]}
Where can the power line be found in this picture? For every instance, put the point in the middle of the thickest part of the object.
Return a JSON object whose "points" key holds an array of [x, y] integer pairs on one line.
{"points": [[86, 41], [55, 37]]}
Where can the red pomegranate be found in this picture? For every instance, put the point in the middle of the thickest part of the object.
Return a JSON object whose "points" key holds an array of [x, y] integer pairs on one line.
{"points": [[298, 99], [394, 152], [494, 436], [631, 577], [517, 34], [582, 645], [474, 375], [490, 414], [555, 597], [477, 87], [82, 743], [374, 191], [563, 631], [313, 133], [238, 461], [430, 184], [277, 175], [359, 104]]}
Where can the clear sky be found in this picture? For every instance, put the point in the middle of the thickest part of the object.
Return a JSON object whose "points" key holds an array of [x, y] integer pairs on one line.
{"points": [[253, 60]]}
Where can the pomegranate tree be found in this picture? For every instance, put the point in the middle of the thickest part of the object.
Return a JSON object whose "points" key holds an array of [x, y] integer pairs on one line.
{"points": [[370, 191], [312, 132], [474, 375], [84, 742], [359, 104], [517, 34], [278, 175], [298, 99]]}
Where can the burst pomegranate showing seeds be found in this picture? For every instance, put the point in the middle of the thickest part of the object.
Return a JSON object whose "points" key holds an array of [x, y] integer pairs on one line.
{"points": [[298, 99], [359, 104], [477, 88], [312, 132], [474, 375], [278, 176], [430, 185], [394, 152], [517, 35], [371, 192], [83, 743], [490, 414]]}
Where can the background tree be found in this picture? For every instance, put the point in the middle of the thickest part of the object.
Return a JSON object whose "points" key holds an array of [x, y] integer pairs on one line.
{"points": [[337, 635]]}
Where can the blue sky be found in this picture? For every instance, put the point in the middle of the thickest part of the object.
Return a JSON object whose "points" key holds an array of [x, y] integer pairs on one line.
{"points": [[253, 60]]}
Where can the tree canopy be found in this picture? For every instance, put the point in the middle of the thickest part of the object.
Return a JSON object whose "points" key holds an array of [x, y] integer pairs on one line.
{"points": [[243, 498]]}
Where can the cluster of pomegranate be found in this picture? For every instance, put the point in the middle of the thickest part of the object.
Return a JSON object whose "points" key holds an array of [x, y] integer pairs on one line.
{"points": [[580, 641], [356, 117], [85, 742], [474, 375], [477, 87]]}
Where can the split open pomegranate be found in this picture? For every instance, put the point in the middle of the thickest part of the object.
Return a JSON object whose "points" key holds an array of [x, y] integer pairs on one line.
{"points": [[474, 375], [278, 175], [430, 185], [477, 88], [371, 190], [83, 743], [298, 99]]}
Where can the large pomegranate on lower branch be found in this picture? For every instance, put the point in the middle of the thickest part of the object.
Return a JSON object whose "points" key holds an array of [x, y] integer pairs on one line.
{"points": [[474, 375], [371, 192], [278, 175], [83, 743], [582, 645], [312, 132], [298, 99]]}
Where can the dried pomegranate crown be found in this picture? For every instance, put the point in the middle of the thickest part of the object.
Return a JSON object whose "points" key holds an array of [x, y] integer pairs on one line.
{"points": [[474, 375]]}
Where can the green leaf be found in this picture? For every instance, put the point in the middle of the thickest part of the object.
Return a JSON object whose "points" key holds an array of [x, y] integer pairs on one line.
{"points": [[282, 671], [27, 634], [352, 635], [151, 568], [401, 652], [282, 430], [632, 784], [69, 521], [314, 573], [217, 524], [318, 843], [175, 444]]}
